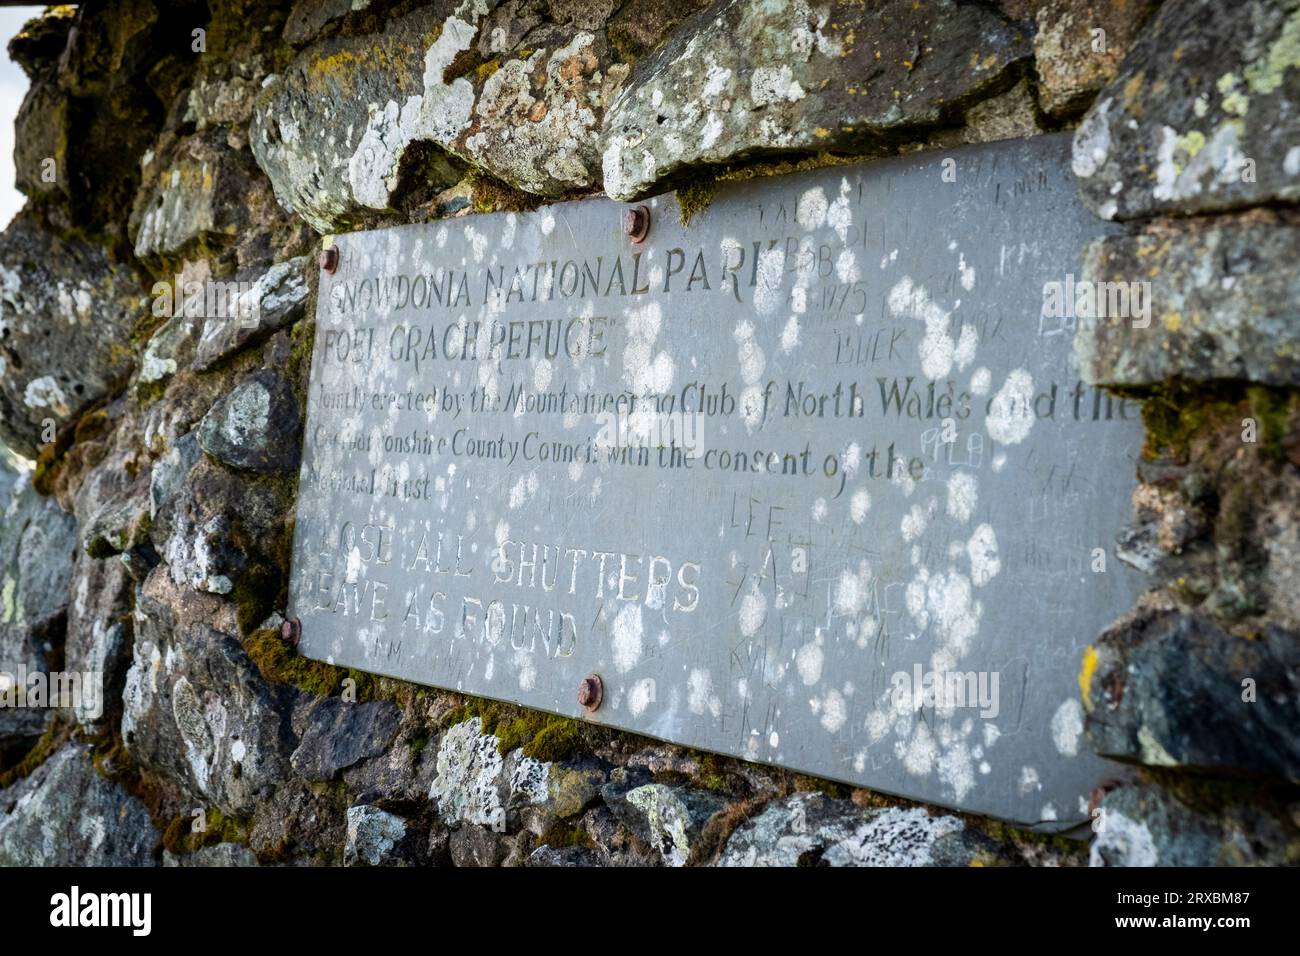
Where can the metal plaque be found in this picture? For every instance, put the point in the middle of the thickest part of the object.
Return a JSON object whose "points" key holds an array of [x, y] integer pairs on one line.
{"points": [[810, 481]]}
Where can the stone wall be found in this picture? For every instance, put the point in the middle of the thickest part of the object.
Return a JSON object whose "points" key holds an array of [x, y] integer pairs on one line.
{"points": [[184, 141]]}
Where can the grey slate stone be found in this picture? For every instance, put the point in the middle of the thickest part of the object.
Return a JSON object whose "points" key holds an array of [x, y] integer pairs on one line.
{"points": [[1206, 86], [67, 814], [277, 298], [197, 709], [255, 427], [1161, 675], [1145, 825], [37, 547], [339, 734]]}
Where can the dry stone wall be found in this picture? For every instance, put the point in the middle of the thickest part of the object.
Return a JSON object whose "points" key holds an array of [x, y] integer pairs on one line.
{"points": [[149, 541]]}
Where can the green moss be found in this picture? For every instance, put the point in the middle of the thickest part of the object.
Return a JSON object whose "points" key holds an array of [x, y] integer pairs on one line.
{"points": [[179, 835], [563, 834], [1006, 833], [146, 393], [492, 195], [485, 70], [694, 197], [715, 773], [54, 737], [418, 743], [280, 663], [542, 736], [1213, 796], [806, 784], [627, 48], [696, 193], [1177, 413], [559, 739], [1275, 410]]}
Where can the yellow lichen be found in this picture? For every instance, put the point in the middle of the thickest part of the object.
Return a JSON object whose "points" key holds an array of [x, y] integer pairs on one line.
{"points": [[1086, 673]]}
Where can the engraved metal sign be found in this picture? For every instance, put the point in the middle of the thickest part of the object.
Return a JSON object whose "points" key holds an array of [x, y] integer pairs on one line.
{"points": [[810, 481]]}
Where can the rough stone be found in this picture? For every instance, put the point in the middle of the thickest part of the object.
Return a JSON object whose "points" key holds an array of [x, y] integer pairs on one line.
{"points": [[167, 477], [568, 856], [255, 427], [297, 825], [616, 844], [100, 88], [476, 785], [815, 830], [218, 855], [37, 543], [374, 837], [571, 789], [1222, 304], [119, 523], [168, 349], [1145, 825], [221, 530], [339, 734], [196, 708], [743, 79], [42, 131], [48, 283], [404, 772], [1201, 116], [99, 634], [309, 17], [1010, 115], [190, 196], [478, 847], [1079, 45], [336, 142], [276, 298], [224, 91], [668, 818], [42, 39], [1157, 675], [67, 814]]}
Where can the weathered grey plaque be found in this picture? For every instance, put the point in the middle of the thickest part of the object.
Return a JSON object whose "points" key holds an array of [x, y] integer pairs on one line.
{"points": [[810, 481]]}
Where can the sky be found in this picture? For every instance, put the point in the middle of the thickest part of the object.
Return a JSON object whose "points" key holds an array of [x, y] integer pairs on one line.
{"points": [[13, 86]]}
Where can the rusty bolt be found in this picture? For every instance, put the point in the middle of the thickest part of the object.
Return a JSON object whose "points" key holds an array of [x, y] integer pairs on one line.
{"points": [[591, 692], [329, 259], [291, 631], [636, 223]]}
